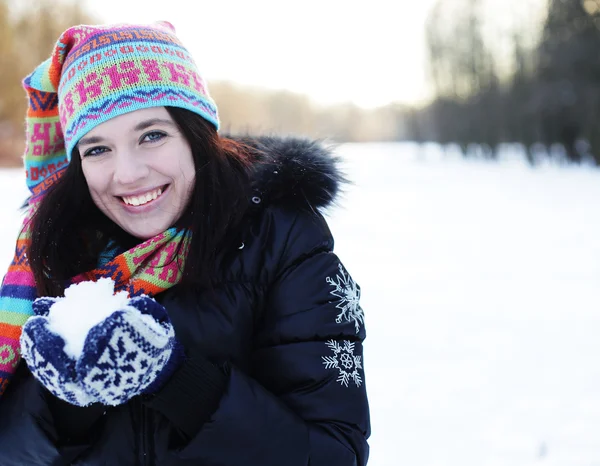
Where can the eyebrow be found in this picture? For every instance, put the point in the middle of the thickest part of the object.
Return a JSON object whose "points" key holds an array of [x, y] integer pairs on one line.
{"points": [[139, 127], [89, 140], [151, 122]]}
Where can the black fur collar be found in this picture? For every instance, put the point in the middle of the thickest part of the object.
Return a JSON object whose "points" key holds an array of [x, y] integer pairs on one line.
{"points": [[299, 173]]}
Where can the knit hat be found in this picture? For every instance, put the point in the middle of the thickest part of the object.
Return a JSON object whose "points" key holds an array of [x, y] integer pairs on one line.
{"points": [[96, 73]]}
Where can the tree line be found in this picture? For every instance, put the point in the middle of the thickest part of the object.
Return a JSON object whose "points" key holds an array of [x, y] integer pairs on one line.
{"points": [[537, 82], [533, 81], [28, 31]]}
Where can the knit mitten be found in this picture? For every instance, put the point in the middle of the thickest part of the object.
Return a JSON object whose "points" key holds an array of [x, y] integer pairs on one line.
{"points": [[132, 352], [43, 350]]}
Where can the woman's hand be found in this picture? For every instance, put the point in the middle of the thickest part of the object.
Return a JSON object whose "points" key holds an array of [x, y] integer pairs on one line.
{"points": [[43, 350], [131, 352]]}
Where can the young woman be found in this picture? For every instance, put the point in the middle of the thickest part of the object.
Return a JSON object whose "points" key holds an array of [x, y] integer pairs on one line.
{"points": [[219, 240]]}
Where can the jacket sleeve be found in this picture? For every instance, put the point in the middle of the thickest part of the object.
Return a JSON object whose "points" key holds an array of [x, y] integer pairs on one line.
{"points": [[305, 401], [37, 428]]}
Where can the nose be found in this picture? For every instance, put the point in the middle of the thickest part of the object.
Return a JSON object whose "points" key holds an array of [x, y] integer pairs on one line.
{"points": [[129, 169]]}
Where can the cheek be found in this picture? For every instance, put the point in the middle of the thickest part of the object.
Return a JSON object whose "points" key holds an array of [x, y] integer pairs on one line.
{"points": [[191, 185], [96, 183], [189, 188], [188, 174]]}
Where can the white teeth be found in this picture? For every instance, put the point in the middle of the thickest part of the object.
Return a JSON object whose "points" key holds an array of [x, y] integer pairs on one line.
{"points": [[142, 199]]}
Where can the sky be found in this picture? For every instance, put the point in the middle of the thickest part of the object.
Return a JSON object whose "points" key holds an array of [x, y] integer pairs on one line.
{"points": [[369, 52]]}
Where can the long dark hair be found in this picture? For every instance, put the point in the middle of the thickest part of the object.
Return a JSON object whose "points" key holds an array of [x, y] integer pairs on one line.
{"points": [[69, 232]]}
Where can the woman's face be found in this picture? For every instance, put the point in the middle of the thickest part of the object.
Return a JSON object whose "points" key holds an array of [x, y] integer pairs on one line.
{"points": [[139, 170]]}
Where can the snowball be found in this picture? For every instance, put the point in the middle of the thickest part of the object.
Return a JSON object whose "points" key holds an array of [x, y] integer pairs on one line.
{"points": [[85, 305]]}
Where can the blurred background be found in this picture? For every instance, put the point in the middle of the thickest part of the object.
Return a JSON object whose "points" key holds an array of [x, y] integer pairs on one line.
{"points": [[470, 131], [468, 72]]}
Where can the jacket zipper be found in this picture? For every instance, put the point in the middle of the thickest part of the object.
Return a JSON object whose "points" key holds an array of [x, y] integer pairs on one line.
{"points": [[143, 449], [146, 437], [135, 426]]}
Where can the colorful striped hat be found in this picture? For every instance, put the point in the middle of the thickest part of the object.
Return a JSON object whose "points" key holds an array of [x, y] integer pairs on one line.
{"points": [[96, 73]]}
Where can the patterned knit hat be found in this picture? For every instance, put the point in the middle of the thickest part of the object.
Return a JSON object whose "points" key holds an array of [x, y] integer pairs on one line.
{"points": [[96, 73]]}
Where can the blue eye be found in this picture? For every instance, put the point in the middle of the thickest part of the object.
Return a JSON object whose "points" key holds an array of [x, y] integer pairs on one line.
{"points": [[153, 136], [95, 151]]}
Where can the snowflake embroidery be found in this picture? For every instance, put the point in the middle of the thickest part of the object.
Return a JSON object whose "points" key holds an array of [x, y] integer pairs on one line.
{"points": [[349, 293], [127, 365], [56, 376], [344, 361], [45, 372]]}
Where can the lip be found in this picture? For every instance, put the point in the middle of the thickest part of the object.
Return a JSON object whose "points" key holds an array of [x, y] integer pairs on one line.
{"points": [[138, 209], [142, 191]]}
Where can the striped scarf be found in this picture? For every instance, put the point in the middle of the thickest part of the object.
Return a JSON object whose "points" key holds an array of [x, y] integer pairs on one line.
{"points": [[149, 268]]}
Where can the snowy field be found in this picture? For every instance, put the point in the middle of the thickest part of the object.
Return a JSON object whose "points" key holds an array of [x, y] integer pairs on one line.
{"points": [[481, 289]]}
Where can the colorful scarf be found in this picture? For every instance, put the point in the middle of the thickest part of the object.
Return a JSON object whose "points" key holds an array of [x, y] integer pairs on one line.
{"points": [[149, 268]]}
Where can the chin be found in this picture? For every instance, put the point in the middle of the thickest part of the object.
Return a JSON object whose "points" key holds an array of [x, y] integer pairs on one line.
{"points": [[144, 234], [147, 229]]}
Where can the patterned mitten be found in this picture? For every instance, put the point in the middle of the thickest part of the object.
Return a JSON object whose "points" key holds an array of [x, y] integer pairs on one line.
{"points": [[43, 350], [131, 352]]}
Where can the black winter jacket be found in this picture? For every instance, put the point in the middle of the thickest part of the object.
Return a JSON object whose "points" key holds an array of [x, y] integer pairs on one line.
{"points": [[275, 372]]}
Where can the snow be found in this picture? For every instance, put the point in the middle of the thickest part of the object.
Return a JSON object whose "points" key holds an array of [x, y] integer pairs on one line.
{"points": [[84, 306], [480, 287]]}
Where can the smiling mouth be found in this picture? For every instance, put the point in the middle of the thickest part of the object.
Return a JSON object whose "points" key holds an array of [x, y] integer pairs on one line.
{"points": [[143, 199]]}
